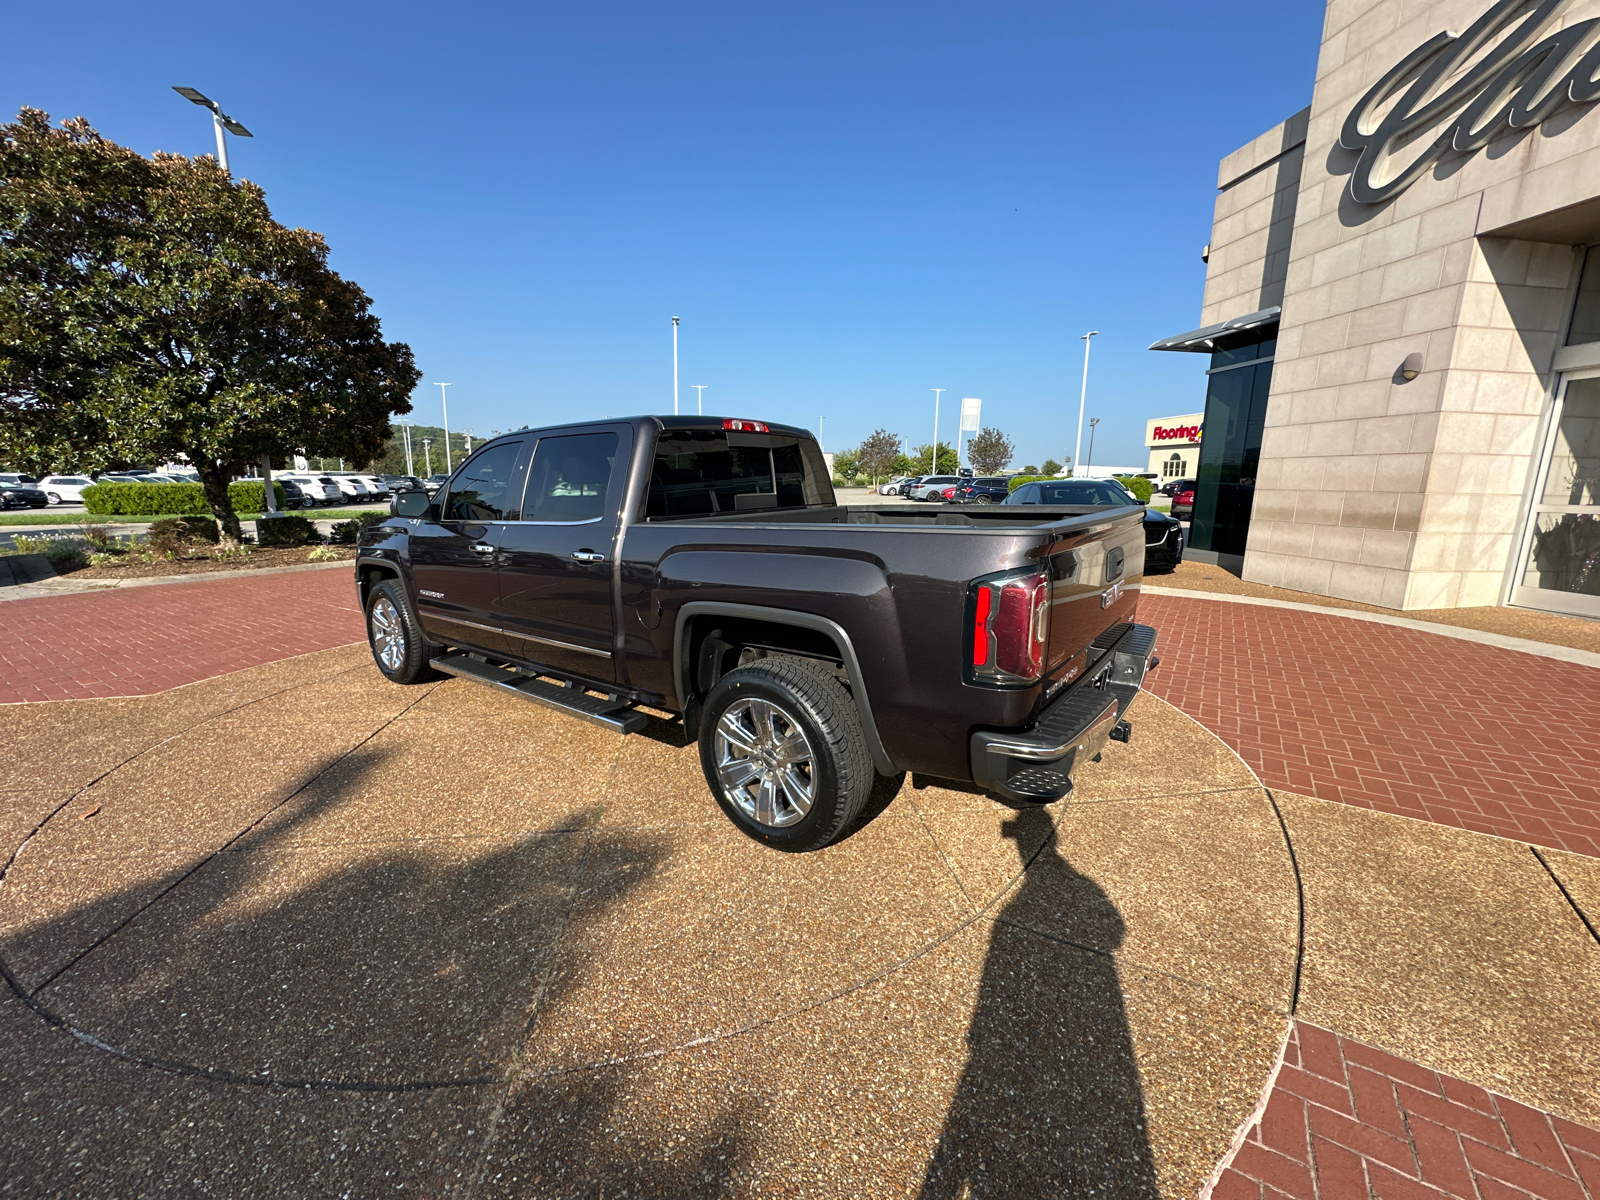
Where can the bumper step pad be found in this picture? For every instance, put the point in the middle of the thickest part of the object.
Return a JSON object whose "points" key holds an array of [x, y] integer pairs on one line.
{"points": [[612, 712]]}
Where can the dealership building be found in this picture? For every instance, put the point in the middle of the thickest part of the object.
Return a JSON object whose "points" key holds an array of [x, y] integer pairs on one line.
{"points": [[1174, 445], [1402, 317]]}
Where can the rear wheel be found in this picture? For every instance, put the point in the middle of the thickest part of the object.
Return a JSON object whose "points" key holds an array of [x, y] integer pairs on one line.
{"points": [[54, 497], [783, 752], [398, 646]]}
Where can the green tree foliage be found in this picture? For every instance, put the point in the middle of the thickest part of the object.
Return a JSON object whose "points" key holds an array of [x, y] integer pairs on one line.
{"points": [[393, 459], [947, 463], [1050, 467], [1030, 469], [153, 307], [845, 465], [990, 452], [1142, 489], [879, 454]]}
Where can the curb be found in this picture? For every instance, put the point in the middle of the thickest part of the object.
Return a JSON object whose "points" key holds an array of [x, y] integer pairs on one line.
{"points": [[43, 591], [1583, 658]]}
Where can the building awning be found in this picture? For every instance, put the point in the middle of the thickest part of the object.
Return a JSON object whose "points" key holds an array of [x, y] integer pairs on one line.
{"points": [[1204, 341]]}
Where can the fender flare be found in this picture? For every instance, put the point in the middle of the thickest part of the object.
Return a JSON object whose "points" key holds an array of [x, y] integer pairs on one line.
{"points": [[784, 616]]}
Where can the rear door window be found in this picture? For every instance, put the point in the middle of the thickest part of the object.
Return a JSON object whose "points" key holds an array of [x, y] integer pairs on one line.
{"points": [[568, 479]]}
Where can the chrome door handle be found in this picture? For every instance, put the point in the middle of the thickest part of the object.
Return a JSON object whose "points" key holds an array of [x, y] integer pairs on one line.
{"points": [[588, 556], [482, 548]]}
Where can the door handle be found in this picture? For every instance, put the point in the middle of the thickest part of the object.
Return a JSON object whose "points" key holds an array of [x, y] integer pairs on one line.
{"points": [[482, 548], [588, 556]]}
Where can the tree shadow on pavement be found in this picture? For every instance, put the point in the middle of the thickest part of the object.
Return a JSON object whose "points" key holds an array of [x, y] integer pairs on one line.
{"points": [[1050, 1102], [253, 1023]]}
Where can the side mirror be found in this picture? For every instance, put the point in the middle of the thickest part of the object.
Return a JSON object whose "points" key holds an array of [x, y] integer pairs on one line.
{"points": [[410, 504]]}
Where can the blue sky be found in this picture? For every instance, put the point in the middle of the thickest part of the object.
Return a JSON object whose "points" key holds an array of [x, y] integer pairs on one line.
{"points": [[846, 204]]}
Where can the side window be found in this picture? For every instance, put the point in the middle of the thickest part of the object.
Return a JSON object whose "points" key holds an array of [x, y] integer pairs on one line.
{"points": [[480, 490], [569, 476]]}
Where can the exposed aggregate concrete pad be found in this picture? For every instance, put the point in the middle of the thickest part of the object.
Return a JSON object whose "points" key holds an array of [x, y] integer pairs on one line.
{"points": [[1451, 949]]}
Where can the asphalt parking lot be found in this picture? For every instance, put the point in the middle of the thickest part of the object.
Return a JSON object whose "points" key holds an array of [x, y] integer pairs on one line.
{"points": [[295, 929]]}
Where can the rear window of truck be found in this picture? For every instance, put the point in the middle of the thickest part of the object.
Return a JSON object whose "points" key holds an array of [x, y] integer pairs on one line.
{"points": [[699, 473]]}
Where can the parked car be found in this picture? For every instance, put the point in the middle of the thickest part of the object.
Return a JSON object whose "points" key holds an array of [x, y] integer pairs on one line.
{"points": [[293, 497], [315, 489], [375, 484], [402, 483], [1175, 486], [64, 489], [892, 488], [1183, 503], [1163, 535], [949, 494], [22, 491], [983, 489], [703, 566], [932, 487], [907, 484], [435, 481]]}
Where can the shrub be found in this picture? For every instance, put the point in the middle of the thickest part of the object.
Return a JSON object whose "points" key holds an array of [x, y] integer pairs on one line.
{"points": [[322, 554], [97, 535], [1142, 489], [287, 530], [65, 553], [169, 499], [203, 529], [1017, 481], [167, 537], [349, 532]]}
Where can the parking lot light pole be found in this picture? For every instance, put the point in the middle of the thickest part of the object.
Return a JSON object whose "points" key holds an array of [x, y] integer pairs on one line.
{"points": [[933, 452], [674, 366], [1077, 449], [446, 409], [427, 454], [700, 398], [1089, 466]]}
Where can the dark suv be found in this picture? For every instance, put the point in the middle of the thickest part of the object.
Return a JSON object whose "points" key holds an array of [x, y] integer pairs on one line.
{"points": [[22, 491], [988, 489]]}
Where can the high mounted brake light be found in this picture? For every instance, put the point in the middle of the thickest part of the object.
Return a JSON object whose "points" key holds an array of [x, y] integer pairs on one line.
{"points": [[1010, 628], [739, 426]]}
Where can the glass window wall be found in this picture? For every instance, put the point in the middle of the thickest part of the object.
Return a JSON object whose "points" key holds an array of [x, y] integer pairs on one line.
{"points": [[1561, 557], [1236, 412]]}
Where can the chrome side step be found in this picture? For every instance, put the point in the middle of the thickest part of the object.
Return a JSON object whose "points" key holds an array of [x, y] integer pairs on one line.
{"points": [[611, 712]]}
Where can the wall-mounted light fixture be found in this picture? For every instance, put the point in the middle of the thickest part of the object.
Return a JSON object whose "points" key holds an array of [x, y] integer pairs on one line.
{"points": [[1412, 367]]}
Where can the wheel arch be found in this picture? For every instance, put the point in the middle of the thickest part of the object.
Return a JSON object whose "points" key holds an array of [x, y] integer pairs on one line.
{"points": [[694, 619], [369, 572]]}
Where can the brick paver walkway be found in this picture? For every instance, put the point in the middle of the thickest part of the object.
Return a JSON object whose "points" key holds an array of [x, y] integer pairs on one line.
{"points": [[1393, 719], [136, 641], [1345, 1120]]}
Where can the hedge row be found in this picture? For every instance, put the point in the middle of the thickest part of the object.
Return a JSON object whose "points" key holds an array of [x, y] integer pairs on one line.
{"points": [[170, 499], [1142, 489]]}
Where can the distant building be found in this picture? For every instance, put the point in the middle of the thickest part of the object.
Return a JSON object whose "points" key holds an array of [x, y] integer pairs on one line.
{"points": [[1174, 444]]}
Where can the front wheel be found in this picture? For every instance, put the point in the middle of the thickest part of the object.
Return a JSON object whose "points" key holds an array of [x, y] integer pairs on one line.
{"points": [[398, 645], [783, 752]]}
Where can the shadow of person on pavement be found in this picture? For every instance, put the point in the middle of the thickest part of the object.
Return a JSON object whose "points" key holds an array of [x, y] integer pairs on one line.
{"points": [[1050, 1102]]}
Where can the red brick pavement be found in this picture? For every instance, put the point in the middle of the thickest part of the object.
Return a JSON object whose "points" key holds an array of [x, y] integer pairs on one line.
{"points": [[1346, 1120], [135, 641], [1388, 718]]}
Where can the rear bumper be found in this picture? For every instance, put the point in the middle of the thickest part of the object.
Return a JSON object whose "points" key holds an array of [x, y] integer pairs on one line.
{"points": [[1036, 765]]}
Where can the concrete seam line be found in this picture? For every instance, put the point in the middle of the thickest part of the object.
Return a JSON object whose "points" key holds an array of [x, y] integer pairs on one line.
{"points": [[1583, 658], [1572, 900], [1241, 1133], [1300, 894]]}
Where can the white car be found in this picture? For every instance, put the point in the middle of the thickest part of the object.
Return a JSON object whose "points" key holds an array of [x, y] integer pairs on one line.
{"points": [[932, 488], [64, 489], [316, 489], [892, 488], [375, 485]]}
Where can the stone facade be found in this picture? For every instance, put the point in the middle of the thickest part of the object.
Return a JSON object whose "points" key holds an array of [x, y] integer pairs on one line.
{"points": [[1372, 488]]}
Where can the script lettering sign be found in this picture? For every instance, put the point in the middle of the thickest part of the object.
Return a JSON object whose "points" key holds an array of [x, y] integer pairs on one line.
{"points": [[1461, 93]]}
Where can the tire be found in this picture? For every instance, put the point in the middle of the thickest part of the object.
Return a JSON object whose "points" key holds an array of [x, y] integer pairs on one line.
{"points": [[786, 696], [54, 497], [983, 500], [396, 639]]}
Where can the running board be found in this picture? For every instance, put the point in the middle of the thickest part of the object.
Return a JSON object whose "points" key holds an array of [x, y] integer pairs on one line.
{"points": [[613, 713]]}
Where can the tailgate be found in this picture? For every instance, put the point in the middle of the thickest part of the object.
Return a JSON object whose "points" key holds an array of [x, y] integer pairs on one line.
{"points": [[1094, 584]]}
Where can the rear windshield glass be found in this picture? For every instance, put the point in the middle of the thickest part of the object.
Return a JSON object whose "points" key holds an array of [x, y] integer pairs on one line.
{"points": [[1082, 492], [698, 473]]}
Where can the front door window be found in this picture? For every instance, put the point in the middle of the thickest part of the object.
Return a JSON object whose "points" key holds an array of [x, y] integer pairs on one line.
{"points": [[1561, 556]]}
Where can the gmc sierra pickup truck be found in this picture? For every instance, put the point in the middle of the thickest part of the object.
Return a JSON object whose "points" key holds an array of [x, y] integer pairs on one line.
{"points": [[702, 566]]}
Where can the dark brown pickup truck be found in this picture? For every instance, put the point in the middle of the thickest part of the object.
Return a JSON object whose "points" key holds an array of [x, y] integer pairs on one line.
{"points": [[703, 566]]}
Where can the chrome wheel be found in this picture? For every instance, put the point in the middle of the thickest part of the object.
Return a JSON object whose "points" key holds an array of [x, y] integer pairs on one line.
{"points": [[388, 634], [765, 763]]}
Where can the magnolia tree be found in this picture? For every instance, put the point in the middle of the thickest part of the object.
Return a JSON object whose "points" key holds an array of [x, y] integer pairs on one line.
{"points": [[990, 452], [152, 307]]}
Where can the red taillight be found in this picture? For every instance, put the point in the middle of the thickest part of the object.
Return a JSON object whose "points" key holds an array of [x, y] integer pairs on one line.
{"points": [[744, 426], [1011, 629]]}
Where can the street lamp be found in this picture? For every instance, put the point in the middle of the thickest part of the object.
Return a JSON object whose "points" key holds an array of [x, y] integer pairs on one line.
{"points": [[405, 439], [1077, 449], [466, 435], [220, 121], [933, 451], [1089, 466], [674, 366], [446, 409], [427, 454], [700, 397]]}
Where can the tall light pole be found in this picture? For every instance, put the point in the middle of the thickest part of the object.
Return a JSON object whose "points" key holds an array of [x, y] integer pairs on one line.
{"points": [[427, 454], [467, 436], [674, 366], [405, 438], [220, 121], [1089, 466], [700, 397], [1083, 396], [933, 452], [223, 124], [446, 409]]}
